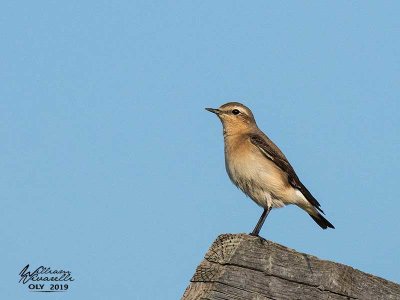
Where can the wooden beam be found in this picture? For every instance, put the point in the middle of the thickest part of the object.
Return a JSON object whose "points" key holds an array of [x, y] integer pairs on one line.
{"points": [[239, 266]]}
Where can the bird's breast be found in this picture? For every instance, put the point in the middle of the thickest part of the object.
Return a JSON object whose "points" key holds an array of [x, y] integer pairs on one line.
{"points": [[257, 176]]}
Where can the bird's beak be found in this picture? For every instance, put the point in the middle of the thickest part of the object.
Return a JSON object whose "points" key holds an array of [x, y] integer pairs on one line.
{"points": [[213, 110]]}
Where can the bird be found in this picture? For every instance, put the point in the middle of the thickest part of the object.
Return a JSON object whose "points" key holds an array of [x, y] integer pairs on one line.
{"points": [[259, 168]]}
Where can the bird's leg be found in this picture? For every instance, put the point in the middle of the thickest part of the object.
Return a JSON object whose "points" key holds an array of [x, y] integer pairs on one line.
{"points": [[260, 222]]}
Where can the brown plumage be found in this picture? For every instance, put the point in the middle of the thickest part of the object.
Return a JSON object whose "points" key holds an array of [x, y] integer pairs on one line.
{"points": [[259, 168]]}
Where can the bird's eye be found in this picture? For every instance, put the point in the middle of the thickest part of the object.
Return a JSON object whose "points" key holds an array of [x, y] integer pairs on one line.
{"points": [[235, 111]]}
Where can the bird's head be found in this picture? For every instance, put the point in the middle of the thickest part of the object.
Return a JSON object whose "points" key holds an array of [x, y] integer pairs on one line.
{"points": [[235, 117]]}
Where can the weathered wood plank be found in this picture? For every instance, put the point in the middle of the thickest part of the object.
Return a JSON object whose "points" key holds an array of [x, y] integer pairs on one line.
{"points": [[239, 266]]}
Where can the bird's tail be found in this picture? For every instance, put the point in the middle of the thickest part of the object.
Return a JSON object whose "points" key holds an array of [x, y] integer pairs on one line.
{"points": [[321, 221]]}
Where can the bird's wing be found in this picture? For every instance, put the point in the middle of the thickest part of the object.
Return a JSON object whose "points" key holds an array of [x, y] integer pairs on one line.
{"points": [[272, 152]]}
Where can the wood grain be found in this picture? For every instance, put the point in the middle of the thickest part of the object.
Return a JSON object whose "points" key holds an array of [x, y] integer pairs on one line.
{"points": [[239, 266]]}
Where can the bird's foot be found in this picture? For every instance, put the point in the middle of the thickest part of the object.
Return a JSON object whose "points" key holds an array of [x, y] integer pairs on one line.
{"points": [[260, 238]]}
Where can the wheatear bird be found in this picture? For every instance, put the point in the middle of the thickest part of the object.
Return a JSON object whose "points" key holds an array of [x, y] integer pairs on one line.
{"points": [[257, 166]]}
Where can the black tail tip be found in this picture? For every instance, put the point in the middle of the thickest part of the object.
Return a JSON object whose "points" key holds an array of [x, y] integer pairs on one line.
{"points": [[322, 222]]}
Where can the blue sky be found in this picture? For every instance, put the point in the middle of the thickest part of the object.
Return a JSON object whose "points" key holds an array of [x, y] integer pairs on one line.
{"points": [[112, 169]]}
